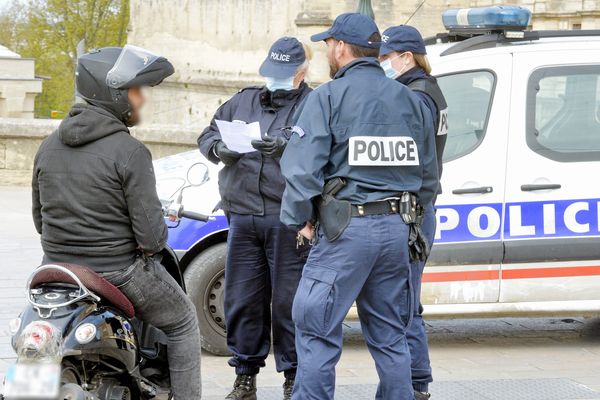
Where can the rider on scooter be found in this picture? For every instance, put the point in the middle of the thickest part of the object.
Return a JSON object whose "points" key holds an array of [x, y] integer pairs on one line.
{"points": [[95, 201]]}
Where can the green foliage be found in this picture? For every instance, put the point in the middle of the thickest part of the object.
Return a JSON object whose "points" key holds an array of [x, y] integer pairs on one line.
{"points": [[50, 30]]}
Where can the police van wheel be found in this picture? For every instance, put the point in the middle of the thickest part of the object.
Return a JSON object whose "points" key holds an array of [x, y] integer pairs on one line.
{"points": [[205, 283]]}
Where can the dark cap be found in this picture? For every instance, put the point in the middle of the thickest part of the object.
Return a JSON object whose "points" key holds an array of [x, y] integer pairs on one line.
{"points": [[353, 28], [402, 38], [284, 58]]}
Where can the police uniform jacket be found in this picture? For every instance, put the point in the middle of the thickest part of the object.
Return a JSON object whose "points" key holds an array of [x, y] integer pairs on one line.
{"points": [[346, 128], [426, 88], [254, 184]]}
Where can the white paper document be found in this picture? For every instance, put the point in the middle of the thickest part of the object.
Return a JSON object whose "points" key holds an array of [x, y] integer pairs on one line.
{"points": [[238, 135]]}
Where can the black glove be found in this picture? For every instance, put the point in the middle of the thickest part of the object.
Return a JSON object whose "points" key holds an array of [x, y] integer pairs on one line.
{"points": [[270, 146], [418, 245], [228, 157]]}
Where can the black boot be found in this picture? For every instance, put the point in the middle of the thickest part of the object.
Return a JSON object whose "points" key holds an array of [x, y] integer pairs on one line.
{"points": [[288, 387], [244, 388], [422, 396]]}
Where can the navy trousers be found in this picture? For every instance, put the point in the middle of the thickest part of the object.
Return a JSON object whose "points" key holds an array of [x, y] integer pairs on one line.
{"points": [[262, 272], [368, 264], [416, 334]]}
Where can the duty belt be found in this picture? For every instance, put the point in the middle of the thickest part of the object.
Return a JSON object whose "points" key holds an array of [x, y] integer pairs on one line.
{"points": [[388, 206]]}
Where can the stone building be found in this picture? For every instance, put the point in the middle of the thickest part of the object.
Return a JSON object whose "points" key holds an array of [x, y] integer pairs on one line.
{"points": [[18, 85], [218, 45]]}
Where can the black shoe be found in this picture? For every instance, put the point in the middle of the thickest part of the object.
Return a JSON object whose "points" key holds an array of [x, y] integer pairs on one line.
{"points": [[422, 396], [244, 388], [288, 387]]}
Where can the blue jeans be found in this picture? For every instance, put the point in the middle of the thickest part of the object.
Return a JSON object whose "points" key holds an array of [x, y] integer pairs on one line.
{"points": [[159, 300], [368, 264], [416, 334]]}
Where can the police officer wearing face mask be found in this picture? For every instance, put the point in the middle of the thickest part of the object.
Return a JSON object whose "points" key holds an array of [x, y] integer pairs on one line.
{"points": [[403, 58], [264, 263], [359, 154]]}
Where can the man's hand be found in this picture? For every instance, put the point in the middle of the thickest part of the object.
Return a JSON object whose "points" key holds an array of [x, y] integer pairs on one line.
{"points": [[228, 157], [270, 146], [308, 231]]}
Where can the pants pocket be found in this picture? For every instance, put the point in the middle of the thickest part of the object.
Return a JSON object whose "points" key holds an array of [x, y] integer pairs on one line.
{"points": [[315, 299]]}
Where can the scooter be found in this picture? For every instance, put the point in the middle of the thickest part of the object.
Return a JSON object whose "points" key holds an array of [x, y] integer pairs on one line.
{"points": [[78, 338]]}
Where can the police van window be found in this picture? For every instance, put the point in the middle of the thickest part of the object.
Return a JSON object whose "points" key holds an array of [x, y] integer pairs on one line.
{"points": [[469, 96], [563, 113]]}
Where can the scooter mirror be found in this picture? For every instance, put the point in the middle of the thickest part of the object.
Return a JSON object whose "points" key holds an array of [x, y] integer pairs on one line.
{"points": [[197, 174]]}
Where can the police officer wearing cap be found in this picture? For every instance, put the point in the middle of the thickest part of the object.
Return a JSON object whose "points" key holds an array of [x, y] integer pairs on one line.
{"points": [[264, 262], [359, 153], [403, 58]]}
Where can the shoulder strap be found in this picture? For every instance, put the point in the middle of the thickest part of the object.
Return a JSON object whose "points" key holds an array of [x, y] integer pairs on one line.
{"points": [[432, 89]]}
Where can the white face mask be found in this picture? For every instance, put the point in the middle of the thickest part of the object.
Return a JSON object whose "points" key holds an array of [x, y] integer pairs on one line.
{"points": [[389, 70], [274, 84]]}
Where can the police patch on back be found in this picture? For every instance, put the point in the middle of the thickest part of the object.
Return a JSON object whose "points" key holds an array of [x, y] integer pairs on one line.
{"points": [[380, 151], [443, 124]]}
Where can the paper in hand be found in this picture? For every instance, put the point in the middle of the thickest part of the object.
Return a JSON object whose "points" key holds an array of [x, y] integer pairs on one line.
{"points": [[237, 136]]}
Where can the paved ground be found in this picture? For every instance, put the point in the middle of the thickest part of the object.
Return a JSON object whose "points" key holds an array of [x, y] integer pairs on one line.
{"points": [[541, 359]]}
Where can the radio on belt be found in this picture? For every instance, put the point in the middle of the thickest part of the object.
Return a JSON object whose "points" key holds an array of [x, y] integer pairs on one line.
{"points": [[487, 19]]}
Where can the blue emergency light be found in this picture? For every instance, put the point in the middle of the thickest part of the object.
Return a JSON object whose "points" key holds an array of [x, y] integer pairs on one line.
{"points": [[487, 18]]}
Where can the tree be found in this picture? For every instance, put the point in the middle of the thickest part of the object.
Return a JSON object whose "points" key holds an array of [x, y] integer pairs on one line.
{"points": [[49, 31]]}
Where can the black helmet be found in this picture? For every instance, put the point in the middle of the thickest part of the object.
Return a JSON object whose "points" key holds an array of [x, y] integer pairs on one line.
{"points": [[104, 75]]}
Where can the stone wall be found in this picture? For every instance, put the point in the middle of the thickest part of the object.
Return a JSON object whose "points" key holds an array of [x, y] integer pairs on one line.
{"points": [[218, 45], [20, 139]]}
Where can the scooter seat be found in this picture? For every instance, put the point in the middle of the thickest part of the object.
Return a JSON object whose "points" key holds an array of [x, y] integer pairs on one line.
{"points": [[91, 280]]}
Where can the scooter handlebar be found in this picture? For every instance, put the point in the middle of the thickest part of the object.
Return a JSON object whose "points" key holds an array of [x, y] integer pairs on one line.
{"points": [[195, 215]]}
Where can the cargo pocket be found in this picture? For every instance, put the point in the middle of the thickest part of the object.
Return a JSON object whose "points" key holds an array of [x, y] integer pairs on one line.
{"points": [[315, 299]]}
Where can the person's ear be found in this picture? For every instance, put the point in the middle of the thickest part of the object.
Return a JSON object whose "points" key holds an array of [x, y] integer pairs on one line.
{"points": [[340, 50], [299, 78]]}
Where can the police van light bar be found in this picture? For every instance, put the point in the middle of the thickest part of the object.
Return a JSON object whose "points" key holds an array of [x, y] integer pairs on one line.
{"points": [[487, 19]]}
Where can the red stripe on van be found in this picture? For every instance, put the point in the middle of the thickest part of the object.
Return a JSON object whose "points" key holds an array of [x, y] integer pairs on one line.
{"points": [[525, 273], [550, 272], [461, 276]]}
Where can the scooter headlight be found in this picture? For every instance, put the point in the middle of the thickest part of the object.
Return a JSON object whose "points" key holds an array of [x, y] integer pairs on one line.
{"points": [[40, 340], [85, 333]]}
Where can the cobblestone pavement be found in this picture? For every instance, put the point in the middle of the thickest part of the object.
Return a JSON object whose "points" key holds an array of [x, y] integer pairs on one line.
{"points": [[510, 358]]}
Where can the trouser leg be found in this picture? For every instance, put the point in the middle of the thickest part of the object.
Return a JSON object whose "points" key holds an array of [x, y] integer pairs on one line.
{"points": [[286, 262], [416, 333], [247, 297], [385, 307], [159, 300], [331, 280]]}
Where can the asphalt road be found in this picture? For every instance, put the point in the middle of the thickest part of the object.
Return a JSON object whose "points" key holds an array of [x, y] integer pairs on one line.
{"points": [[510, 358]]}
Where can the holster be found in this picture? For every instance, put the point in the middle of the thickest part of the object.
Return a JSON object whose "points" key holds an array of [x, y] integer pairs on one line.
{"points": [[412, 213], [333, 215]]}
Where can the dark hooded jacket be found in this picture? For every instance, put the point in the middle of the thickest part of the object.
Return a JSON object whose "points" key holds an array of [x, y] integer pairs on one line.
{"points": [[94, 193]]}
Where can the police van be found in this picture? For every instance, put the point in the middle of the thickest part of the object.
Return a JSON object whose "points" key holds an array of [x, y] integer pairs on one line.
{"points": [[518, 221]]}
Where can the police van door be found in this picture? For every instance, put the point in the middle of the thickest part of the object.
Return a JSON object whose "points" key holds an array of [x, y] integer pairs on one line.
{"points": [[552, 240], [465, 263]]}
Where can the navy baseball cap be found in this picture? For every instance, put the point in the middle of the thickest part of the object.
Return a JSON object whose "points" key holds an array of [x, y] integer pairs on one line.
{"points": [[353, 28], [402, 38], [284, 58]]}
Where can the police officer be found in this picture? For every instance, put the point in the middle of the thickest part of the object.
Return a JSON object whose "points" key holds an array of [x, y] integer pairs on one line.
{"points": [[359, 151], [404, 58], [264, 264]]}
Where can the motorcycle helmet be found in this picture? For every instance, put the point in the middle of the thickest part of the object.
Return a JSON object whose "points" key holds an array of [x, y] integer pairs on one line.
{"points": [[103, 76]]}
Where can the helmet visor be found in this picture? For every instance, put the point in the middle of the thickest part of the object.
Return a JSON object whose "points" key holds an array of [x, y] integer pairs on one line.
{"points": [[131, 62]]}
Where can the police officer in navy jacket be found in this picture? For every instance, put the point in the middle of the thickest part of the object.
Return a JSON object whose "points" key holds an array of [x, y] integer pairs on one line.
{"points": [[404, 58], [372, 134], [264, 263]]}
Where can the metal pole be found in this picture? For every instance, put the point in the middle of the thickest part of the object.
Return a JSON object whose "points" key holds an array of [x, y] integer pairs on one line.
{"points": [[365, 7]]}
